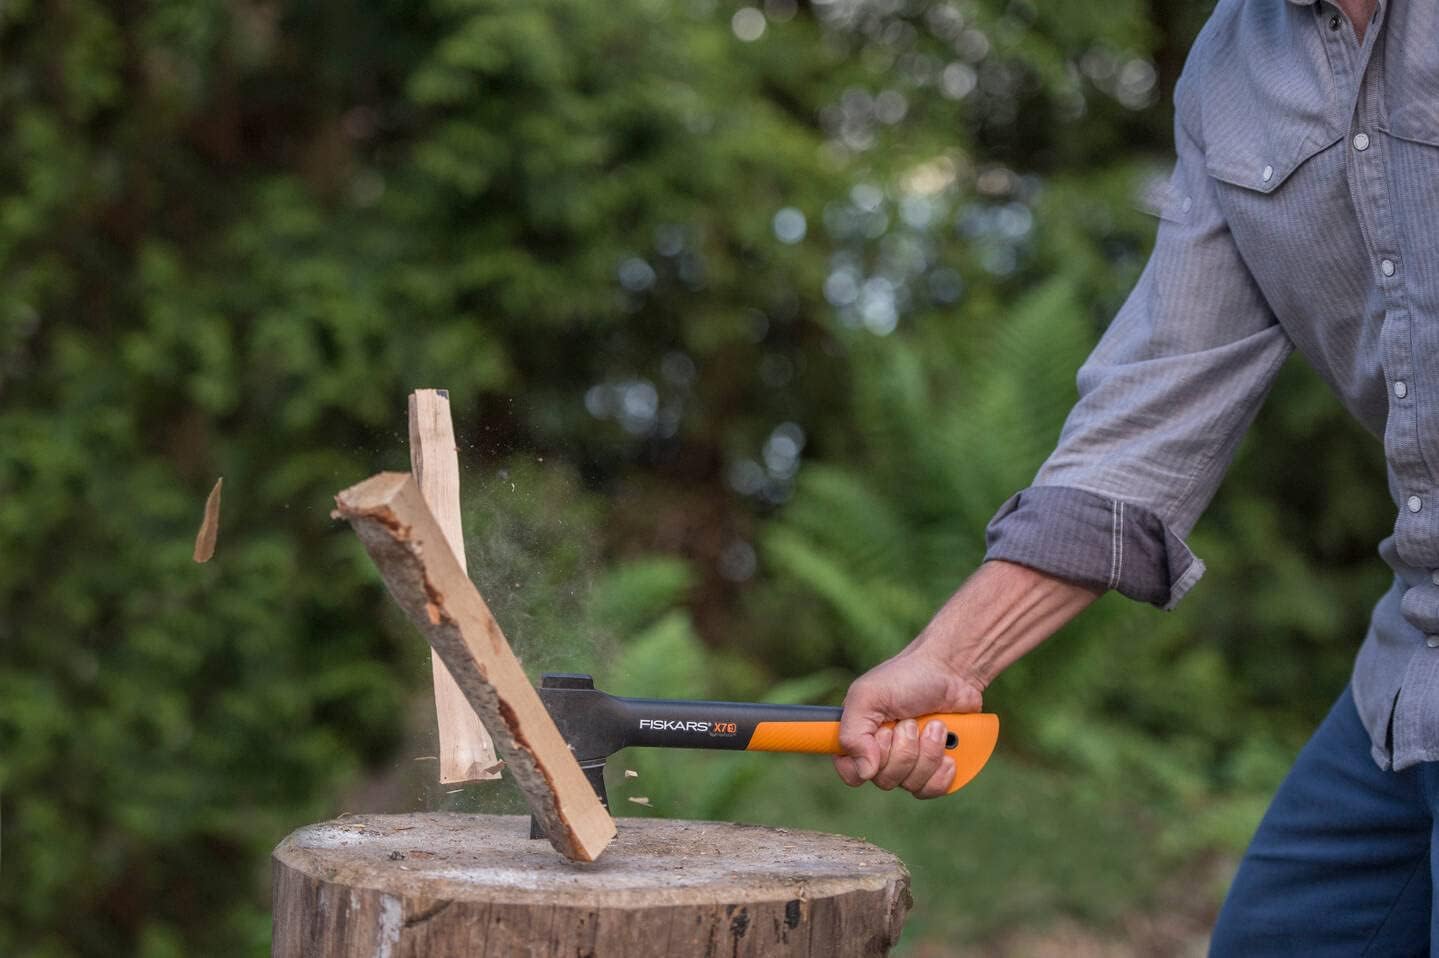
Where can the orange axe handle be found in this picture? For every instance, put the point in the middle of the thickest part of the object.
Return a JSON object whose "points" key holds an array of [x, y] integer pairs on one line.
{"points": [[970, 741]]}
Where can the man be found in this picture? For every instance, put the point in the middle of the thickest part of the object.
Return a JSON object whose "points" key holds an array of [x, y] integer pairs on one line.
{"points": [[1302, 214]]}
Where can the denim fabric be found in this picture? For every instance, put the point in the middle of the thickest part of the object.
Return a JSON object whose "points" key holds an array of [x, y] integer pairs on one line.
{"points": [[1342, 864], [1301, 214]]}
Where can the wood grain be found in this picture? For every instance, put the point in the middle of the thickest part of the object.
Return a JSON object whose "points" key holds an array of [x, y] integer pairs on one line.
{"points": [[443, 885], [467, 753], [424, 577], [210, 525]]}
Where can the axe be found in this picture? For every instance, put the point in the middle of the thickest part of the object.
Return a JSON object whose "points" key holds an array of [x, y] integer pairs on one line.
{"points": [[596, 724]]}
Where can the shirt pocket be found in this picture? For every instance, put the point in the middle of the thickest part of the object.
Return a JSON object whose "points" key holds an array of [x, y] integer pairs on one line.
{"points": [[1265, 112], [1411, 73], [1265, 160]]}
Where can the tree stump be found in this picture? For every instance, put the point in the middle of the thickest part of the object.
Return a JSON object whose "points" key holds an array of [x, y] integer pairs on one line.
{"points": [[443, 885]]}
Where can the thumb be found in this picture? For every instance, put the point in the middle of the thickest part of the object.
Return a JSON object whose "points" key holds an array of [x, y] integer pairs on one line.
{"points": [[862, 752]]}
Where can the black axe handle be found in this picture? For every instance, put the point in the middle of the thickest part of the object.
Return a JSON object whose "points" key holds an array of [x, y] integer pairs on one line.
{"points": [[596, 725]]}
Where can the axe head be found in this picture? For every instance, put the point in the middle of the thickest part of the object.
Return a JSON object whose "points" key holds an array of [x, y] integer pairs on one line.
{"points": [[590, 722]]}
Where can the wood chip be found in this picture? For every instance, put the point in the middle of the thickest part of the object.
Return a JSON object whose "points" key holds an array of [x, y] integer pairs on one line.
{"points": [[210, 526], [631, 773], [641, 800]]}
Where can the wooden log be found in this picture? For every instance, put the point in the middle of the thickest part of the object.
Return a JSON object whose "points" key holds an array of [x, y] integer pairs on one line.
{"points": [[420, 569], [466, 752], [445, 885]]}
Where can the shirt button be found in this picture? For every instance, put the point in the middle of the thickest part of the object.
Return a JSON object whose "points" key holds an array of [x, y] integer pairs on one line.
{"points": [[1187, 204], [1415, 503], [1432, 641], [1401, 389], [1361, 141], [1386, 266], [1268, 174], [1434, 577]]}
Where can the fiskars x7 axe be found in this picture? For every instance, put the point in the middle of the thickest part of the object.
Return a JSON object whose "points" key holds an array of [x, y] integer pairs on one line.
{"points": [[596, 725]]}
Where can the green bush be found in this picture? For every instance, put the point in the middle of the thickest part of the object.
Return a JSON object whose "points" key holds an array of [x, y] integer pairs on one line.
{"points": [[747, 339]]}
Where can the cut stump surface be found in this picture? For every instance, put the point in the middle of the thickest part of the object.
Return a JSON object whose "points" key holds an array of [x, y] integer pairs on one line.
{"points": [[445, 885]]}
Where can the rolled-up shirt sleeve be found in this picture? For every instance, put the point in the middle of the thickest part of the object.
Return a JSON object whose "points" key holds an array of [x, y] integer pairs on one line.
{"points": [[1164, 400]]}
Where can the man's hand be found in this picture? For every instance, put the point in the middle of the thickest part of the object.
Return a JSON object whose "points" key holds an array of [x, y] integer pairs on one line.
{"points": [[1002, 612], [906, 756]]}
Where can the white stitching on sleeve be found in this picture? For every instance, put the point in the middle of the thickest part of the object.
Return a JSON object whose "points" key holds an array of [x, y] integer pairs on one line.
{"points": [[1113, 542], [1119, 563]]}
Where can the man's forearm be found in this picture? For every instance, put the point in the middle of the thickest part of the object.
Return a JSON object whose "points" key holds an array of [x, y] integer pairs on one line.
{"points": [[1001, 612]]}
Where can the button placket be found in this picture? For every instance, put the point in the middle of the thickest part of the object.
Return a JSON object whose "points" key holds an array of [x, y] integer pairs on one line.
{"points": [[1368, 173]]}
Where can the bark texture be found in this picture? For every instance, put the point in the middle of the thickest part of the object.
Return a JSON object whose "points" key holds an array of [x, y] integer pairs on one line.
{"points": [[445, 885]]}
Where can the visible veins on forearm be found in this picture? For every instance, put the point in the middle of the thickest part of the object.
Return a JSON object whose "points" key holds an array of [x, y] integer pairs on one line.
{"points": [[1003, 611]]}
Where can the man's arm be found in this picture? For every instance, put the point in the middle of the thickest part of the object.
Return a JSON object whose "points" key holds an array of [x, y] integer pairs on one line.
{"points": [[1163, 402], [998, 615]]}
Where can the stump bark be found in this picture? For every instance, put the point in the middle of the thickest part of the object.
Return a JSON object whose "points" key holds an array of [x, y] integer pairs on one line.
{"points": [[445, 885]]}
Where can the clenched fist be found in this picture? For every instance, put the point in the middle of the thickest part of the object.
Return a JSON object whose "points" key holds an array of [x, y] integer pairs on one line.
{"points": [[905, 756], [1002, 612]]}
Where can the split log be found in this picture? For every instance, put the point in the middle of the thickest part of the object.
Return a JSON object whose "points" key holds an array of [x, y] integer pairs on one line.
{"points": [[391, 518], [466, 752], [445, 885]]}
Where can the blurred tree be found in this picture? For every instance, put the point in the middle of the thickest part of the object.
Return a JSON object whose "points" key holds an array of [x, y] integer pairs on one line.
{"points": [[232, 237]]}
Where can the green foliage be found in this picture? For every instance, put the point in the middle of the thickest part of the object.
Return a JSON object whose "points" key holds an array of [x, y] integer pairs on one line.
{"points": [[708, 449]]}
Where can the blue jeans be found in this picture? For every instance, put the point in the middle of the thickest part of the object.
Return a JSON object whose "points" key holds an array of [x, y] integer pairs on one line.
{"points": [[1342, 862]]}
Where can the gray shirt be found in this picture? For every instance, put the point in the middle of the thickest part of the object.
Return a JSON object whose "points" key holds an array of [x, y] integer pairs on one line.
{"points": [[1303, 213]]}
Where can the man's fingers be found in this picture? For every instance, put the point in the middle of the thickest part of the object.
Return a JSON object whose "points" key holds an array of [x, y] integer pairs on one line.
{"points": [[931, 753], [939, 782], [903, 752]]}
